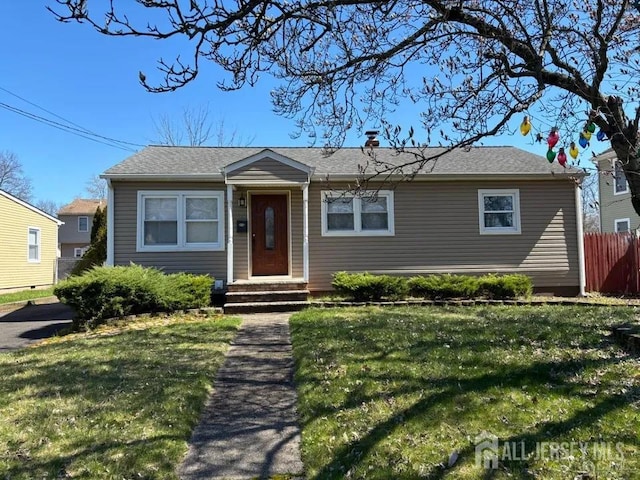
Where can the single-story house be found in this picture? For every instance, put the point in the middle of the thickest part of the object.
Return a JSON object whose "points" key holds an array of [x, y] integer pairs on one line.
{"points": [[250, 214], [28, 245]]}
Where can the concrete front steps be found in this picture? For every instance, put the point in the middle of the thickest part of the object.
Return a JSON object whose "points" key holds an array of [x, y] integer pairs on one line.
{"points": [[263, 296]]}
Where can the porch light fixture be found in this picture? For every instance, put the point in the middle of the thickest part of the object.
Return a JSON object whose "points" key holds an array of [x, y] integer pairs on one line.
{"points": [[241, 201]]}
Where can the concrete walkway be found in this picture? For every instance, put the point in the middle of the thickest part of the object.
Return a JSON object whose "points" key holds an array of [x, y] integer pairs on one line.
{"points": [[250, 428]]}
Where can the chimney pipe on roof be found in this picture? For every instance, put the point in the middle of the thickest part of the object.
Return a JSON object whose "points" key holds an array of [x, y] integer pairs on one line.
{"points": [[372, 141]]}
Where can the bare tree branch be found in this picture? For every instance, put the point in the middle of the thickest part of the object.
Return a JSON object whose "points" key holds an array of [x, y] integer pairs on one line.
{"points": [[12, 177], [472, 66]]}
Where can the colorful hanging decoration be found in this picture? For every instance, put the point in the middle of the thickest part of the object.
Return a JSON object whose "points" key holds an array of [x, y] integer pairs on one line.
{"points": [[562, 157], [551, 155], [573, 150], [584, 143], [553, 138], [525, 126], [591, 127], [587, 135], [601, 136]]}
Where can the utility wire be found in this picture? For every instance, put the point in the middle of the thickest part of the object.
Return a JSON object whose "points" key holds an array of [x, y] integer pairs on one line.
{"points": [[79, 130], [67, 128]]}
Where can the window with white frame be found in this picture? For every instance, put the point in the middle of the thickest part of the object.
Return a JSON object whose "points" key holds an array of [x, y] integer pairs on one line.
{"points": [[180, 221], [79, 252], [623, 225], [83, 224], [33, 240], [499, 211], [366, 215], [619, 180]]}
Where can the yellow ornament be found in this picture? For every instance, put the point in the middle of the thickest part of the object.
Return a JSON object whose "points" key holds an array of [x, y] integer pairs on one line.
{"points": [[587, 134], [573, 150], [525, 126]]}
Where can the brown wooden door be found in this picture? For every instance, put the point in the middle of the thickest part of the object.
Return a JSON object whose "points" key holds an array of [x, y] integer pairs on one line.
{"points": [[269, 235]]}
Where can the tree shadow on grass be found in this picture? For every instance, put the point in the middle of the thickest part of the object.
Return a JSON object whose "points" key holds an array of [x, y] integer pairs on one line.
{"points": [[562, 374]]}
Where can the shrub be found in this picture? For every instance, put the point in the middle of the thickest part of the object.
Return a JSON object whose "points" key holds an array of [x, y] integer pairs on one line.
{"points": [[97, 252], [443, 286], [367, 287], [107, 292], [505, 286], [184, 290]]}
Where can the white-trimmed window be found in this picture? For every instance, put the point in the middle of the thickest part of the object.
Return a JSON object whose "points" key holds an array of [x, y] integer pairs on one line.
{"points": [[180, 221], [344, 214], [622, 225], [33, 241], [620, 184], [83, 224], [499, 211], [79, 252]]}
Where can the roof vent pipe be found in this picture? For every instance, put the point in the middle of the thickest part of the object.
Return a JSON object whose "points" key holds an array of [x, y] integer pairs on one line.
{"points": [[372, 141]]}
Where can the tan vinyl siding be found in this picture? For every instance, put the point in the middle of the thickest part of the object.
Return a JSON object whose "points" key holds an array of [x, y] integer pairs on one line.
{"points": [[15, 269], [241, 252], [268, 170], [613, 207], [125, 215], [437, 231]]}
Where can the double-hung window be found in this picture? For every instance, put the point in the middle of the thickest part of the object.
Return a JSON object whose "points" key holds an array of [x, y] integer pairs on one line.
{"points": [[366, 215], [620, 185], [180, 221], [499, 211], [33, 241], [622, 225], [83, 224]]}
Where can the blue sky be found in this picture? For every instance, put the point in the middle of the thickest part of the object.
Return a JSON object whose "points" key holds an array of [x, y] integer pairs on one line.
{"points": [[92, 81]]}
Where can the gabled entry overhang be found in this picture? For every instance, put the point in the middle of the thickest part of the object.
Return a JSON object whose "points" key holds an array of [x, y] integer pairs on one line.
{"points": [[268, 169]]}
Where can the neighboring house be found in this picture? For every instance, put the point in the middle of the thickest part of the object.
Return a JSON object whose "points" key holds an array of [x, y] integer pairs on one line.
{"points": [[75, 234], [28, 245], [276, 214], [616, 212]]}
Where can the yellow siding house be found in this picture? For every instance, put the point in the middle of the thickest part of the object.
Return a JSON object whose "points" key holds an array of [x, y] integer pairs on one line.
{"points": [[28, 245]]}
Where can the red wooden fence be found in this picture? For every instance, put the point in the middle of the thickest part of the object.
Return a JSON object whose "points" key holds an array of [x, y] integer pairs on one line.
{"points": [[611, 262]]}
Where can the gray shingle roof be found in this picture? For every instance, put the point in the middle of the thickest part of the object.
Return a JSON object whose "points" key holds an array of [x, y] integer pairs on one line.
{"points": [[208, 161]]}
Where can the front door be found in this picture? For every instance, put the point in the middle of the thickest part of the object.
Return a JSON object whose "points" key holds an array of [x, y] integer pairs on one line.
{"points": [[269, 235]]}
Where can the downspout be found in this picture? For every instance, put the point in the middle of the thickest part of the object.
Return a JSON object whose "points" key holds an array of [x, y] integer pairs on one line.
{"points": [[230, 232], [110, 224], [305, 232], [580, 234]]}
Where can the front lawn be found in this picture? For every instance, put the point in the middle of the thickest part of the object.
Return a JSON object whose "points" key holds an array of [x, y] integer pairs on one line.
{"points": [[404, 393], [25, 295], [112, 404]]}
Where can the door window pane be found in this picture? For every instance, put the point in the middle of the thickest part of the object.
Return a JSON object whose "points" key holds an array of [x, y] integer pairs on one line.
{"points": [[269, 229]]}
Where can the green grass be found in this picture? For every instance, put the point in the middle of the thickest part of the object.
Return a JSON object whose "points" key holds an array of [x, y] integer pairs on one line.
{"points": [[116, 403], [25, 295], [393, 393]]}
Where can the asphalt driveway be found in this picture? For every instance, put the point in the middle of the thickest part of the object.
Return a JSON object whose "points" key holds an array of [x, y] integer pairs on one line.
{"points": [[32, 323]]}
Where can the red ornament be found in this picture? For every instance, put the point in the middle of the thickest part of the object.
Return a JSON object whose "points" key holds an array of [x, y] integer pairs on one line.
{"points": [[562, 157], [553, 138]]}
